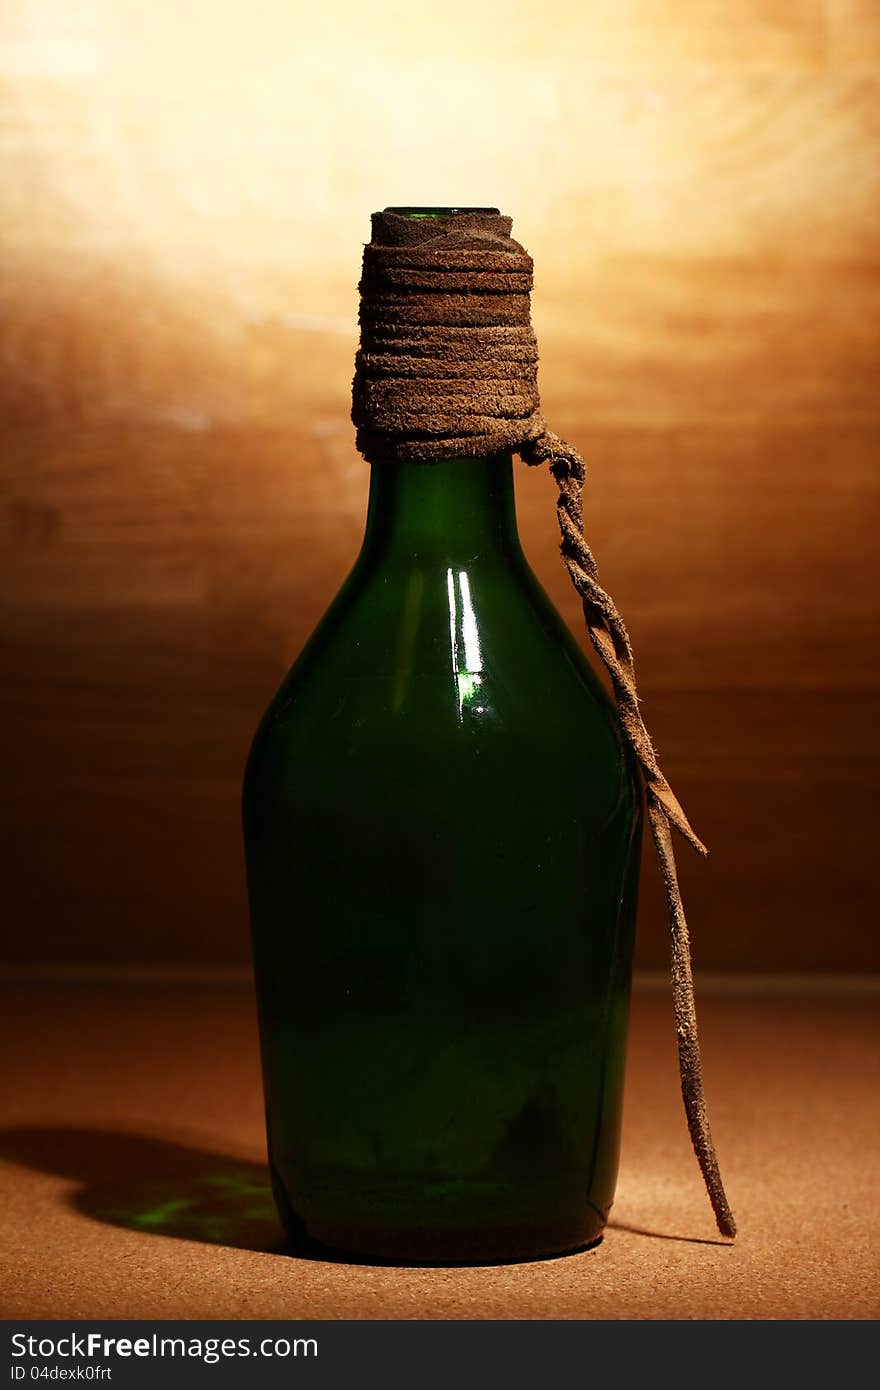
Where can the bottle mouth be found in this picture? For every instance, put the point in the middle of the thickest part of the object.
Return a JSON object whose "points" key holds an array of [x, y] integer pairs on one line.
{"points": [[441, 212]]}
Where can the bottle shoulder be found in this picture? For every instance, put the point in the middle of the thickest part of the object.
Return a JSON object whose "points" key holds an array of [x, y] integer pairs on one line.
{"points": [[461, 662], [429, 619]]}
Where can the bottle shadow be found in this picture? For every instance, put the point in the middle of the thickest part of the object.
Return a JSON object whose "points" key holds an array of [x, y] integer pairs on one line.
{"points": [[158, 1186], [162, 1187]]}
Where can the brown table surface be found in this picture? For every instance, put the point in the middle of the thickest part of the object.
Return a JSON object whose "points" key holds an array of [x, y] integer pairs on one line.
{"points": [[133, 1182]]}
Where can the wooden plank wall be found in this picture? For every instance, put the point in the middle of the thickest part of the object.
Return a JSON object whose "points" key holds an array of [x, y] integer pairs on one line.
{"points": [[185, 190]]}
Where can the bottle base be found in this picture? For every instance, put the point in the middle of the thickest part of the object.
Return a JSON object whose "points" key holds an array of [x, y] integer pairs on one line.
{"points": [[398, 1248], [320, 1237]]}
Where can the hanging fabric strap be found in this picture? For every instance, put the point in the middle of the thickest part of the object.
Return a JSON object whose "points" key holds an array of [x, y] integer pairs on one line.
{"points": [[447, 368]]}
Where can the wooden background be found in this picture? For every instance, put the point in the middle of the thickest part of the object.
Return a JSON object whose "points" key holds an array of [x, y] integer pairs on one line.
{"points": [[185, 191]]}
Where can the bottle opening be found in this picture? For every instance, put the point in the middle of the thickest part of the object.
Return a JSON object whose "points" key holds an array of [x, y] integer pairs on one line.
{"points": [[439, 212]]}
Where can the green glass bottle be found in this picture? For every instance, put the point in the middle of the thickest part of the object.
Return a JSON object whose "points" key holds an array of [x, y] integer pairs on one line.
{"points": [[442, 825]]}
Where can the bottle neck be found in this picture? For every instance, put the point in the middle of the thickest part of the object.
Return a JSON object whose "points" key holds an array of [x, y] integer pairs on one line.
{"points": [[456, 510]]}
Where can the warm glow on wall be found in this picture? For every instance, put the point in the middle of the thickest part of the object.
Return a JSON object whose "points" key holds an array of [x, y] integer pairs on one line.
{"points": [[236, 149]]}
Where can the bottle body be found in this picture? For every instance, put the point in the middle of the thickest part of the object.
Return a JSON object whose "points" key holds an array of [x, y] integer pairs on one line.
{"points": [[442, 826]]}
